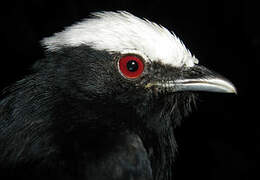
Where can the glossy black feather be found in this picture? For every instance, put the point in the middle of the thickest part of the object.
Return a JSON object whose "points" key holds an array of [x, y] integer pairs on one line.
{"points": [[76, 117]]}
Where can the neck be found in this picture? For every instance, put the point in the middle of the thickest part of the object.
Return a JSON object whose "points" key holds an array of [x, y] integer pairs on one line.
{"points": [[162, 150], [157, 132]]}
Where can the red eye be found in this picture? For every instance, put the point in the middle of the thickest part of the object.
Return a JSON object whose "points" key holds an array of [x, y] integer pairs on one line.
{"points": [[131, 66]]}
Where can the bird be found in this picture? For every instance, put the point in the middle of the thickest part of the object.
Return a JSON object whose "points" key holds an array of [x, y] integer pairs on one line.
{"points": [[103, 103]]}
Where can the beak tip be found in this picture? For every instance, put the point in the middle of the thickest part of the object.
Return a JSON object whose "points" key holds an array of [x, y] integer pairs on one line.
{"points": [[233, 90], [227, 86]]}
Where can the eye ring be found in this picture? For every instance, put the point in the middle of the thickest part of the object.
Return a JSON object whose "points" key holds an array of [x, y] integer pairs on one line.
{"points": [[131, 66]]}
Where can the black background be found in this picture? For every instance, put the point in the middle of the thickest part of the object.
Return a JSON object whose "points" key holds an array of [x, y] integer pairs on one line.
{"points": [[219, 140]]}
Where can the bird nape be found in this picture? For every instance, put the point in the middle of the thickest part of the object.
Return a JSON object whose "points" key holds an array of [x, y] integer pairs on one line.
{"points": [[103, 103]]}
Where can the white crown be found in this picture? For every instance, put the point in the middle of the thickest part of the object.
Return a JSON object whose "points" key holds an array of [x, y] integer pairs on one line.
{"points": [[123, 32]]}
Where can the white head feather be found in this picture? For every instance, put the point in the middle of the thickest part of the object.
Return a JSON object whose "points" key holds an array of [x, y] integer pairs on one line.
{"points": [[124, 33]]}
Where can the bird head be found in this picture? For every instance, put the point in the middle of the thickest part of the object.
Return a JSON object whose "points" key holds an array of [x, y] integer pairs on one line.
{"points": [[116, 58]]}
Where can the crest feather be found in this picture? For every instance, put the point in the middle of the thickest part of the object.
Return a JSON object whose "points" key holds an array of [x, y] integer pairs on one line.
{"points": [[123, 32]]}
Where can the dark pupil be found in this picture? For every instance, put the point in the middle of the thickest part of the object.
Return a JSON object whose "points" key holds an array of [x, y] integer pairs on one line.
{"points": [[132, 65]]}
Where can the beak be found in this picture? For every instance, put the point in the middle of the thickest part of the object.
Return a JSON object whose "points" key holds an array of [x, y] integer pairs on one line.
{"points": [[197, 78], [209, 85]]}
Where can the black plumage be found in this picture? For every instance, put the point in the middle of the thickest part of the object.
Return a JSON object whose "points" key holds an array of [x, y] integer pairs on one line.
{"points": [[76, 117]]}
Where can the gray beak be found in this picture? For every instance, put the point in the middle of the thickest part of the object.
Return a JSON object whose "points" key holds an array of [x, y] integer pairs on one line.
{"points": [[210, 85], [197, 78]]}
